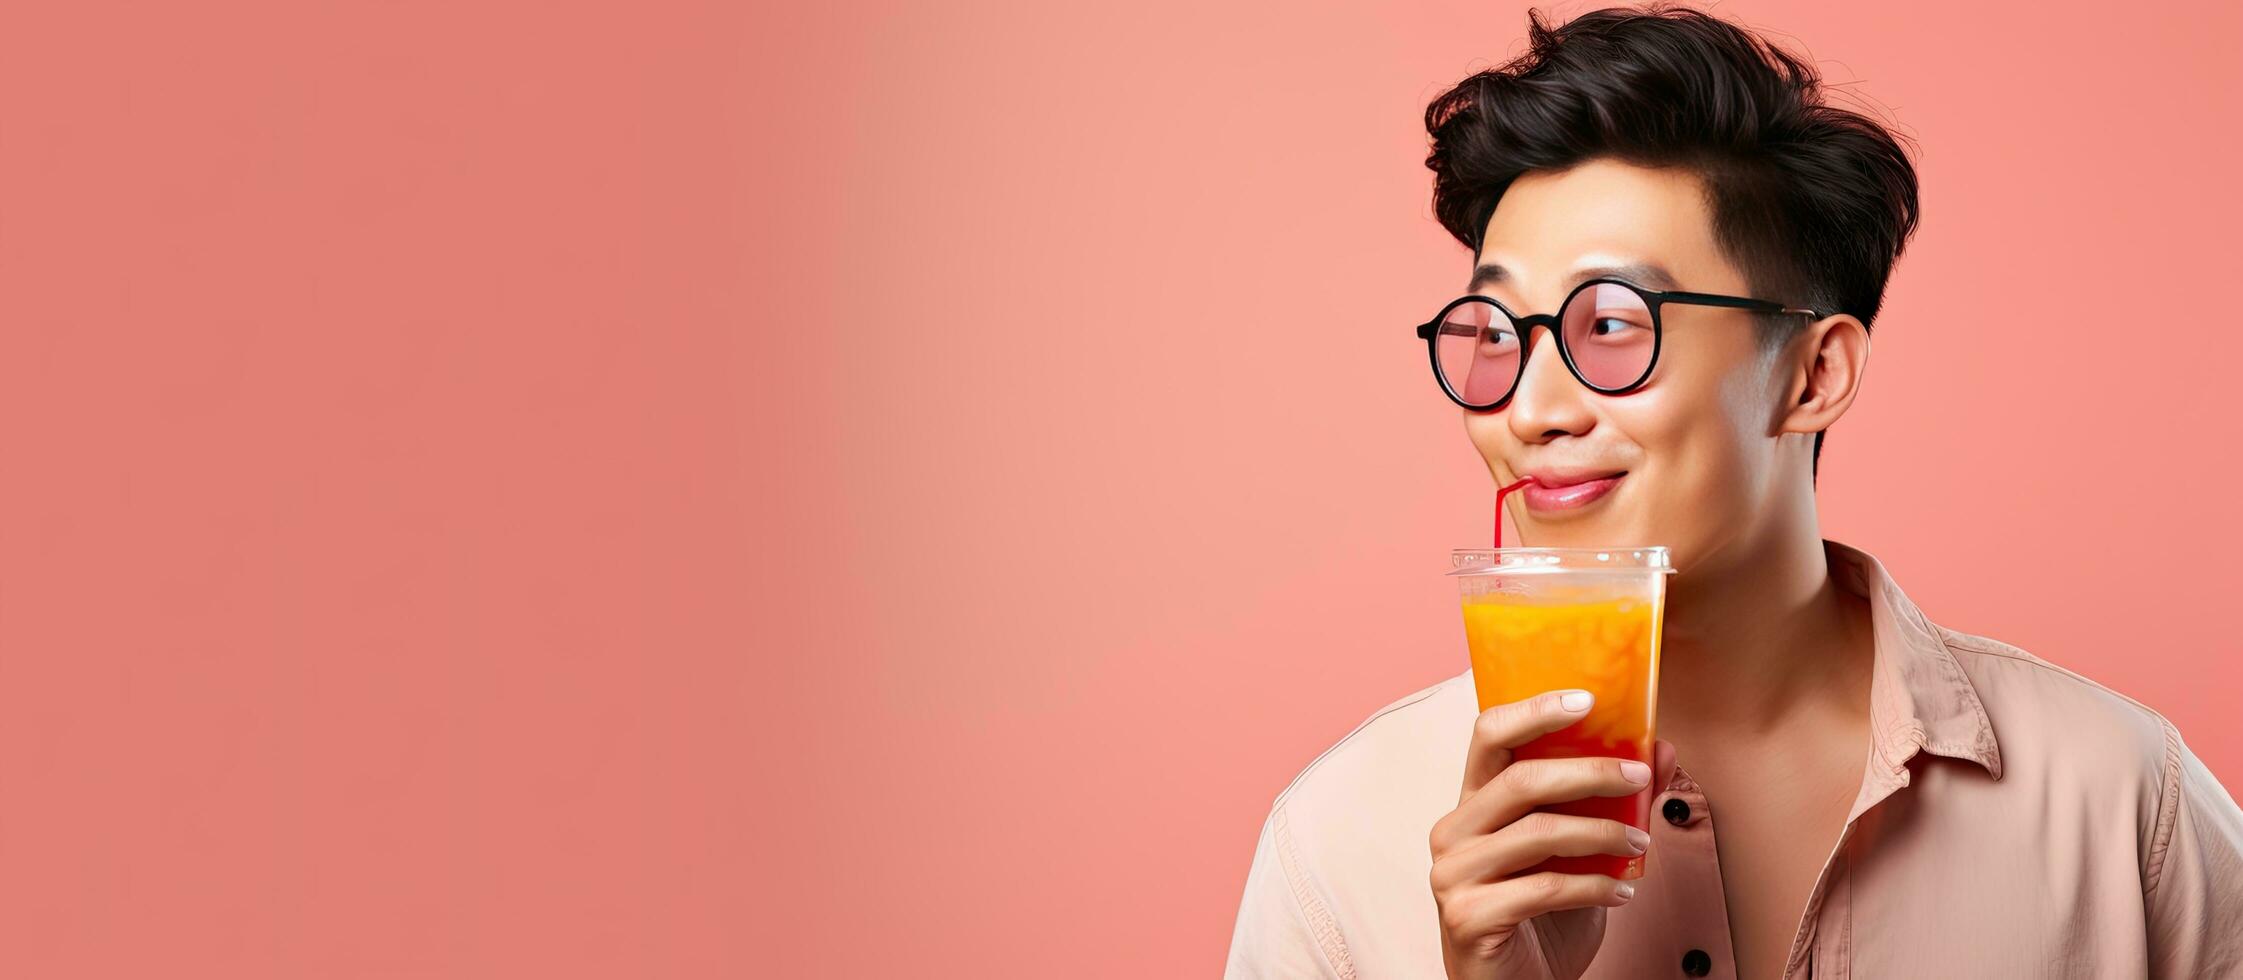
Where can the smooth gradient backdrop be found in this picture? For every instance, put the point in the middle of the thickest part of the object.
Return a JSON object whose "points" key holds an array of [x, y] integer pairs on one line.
{"points": [[711, 490]]}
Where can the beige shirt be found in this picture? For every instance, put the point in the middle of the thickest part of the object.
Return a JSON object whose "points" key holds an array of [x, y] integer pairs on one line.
{"points": [[2014, 820]]}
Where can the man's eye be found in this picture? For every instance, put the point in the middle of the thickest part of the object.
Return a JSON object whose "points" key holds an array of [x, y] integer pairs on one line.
{"points": [[1608, 326], [1495, 343]]}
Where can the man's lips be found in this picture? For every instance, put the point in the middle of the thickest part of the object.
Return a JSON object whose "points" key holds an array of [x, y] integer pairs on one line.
{"points": [[1563, 491]]}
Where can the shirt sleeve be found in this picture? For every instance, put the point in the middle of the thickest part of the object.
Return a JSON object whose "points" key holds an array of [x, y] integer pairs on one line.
{"points": [[2195, 887], [1276, 934]]}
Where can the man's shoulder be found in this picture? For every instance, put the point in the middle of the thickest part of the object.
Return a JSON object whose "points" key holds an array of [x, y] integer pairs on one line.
{"points": [[1348, 837], [2052, 721], [1407, 740]]}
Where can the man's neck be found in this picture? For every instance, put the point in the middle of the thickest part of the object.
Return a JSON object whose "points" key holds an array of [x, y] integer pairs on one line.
{"points": [[1762, 637]]}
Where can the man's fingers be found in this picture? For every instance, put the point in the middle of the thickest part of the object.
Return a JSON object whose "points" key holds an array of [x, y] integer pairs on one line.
{"points": [[1478, 910], [1662, 764], [1532, 839], [1508, 726], [1522, 786]]}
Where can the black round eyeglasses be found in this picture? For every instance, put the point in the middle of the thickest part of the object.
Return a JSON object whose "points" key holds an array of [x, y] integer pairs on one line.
{"points": [[1607, 332]]}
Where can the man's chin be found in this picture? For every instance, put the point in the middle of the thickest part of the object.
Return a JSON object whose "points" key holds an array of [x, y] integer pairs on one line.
{"points": [[1589, 534]]}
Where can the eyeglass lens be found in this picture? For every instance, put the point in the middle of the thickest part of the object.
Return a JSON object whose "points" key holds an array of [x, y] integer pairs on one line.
{"points": [[1607, 329]]}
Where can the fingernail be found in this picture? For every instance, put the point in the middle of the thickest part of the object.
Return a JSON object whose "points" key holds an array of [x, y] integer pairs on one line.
{"points": [[1639, 839], [1576, 700], [1635, 772], [1627, 891]]}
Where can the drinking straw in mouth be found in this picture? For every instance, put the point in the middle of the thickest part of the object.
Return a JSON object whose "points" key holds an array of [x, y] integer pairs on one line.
{"points": [[1501, 493]]}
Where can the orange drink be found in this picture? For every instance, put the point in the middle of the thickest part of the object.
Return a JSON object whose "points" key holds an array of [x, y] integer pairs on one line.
{"points": [[1546, 619]]}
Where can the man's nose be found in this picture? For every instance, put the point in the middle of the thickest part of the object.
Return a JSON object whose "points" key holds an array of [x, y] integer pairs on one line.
{"points": [[1550, 402]]}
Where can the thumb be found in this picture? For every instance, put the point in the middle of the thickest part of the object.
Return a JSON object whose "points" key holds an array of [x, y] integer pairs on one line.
{"points": [[1662, 765]]}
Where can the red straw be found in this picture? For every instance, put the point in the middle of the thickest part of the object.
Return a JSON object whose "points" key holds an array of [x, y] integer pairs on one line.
{"points": [[1499, 495]]}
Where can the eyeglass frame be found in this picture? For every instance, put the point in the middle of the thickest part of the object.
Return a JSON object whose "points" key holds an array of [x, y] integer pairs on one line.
{"points": [[1653, 299]]}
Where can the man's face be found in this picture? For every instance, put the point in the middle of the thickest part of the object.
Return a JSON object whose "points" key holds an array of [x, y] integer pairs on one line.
{"points": [[1696, 446]]}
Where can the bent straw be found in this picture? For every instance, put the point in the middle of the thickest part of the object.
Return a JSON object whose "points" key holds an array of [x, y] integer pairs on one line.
{"points": [[1499, 495]]}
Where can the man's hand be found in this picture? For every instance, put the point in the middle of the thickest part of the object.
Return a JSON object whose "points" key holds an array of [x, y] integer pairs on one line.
{"points": [[1495, 921]]}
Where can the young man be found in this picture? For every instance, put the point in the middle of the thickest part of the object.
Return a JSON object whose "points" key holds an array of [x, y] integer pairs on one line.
{"points": [[1845, 788]]}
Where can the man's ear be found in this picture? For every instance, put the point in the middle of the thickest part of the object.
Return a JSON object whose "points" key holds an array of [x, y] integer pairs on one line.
{"points": [[1827, 363]]}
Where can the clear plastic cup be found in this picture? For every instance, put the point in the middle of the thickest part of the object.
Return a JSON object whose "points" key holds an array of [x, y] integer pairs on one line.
{"points": [[1544, 619]]}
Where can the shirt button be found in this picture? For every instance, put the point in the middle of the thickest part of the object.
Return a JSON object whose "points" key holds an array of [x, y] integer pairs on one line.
{"points": [[1696, 963], [1677, 812]]}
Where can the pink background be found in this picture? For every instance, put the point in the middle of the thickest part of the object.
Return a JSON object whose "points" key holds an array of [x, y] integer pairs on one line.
{"points": [[687, 490]]}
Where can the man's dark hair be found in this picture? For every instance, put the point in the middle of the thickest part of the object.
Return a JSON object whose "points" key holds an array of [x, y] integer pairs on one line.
{"points": [[1812, 202]]}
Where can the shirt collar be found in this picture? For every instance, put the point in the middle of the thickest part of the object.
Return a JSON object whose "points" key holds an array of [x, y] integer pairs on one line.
{"points": [[1919, 697]]}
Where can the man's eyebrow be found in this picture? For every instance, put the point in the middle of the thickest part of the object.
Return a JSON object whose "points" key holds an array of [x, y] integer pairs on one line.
{"points": [[1642, 274], [1488, 274]]}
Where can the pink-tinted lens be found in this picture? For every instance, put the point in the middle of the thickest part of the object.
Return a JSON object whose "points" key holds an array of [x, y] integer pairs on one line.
{"points": [[1608, 331], [1478, 352]]}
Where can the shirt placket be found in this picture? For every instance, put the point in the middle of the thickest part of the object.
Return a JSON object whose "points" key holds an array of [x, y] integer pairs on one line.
{"points": [[1822, 945], [1819, 945], [1684, 824]]}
